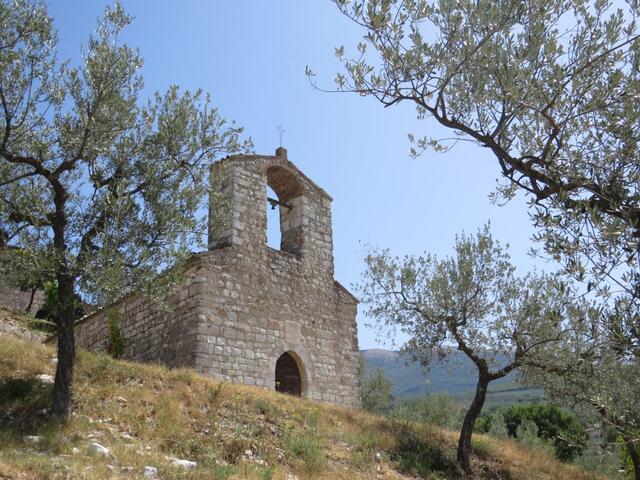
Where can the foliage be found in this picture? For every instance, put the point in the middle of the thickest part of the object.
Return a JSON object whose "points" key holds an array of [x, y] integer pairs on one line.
{"points": [[25, 269], [414, 455], [437, 409], [550, 89], [602, 458], [475, 302], [106, 184], [50, 309], [558, 427], [116, 340], [376, 391]]}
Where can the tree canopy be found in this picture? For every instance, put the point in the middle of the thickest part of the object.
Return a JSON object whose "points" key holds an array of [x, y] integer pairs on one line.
{"points": [[473, 302], [550, 88], [106, 184]]}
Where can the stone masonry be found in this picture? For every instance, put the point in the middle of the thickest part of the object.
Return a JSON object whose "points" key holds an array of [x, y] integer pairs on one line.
{"points": [[15, 298], [243, 305]]}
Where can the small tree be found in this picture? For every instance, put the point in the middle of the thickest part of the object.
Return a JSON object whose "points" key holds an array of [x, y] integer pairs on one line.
{"points": [[376, 392], [550, 90], [472, 302], [106, 184]]}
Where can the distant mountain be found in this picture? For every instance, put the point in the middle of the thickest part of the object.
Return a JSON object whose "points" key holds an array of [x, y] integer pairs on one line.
{"points": [[456, 375]]}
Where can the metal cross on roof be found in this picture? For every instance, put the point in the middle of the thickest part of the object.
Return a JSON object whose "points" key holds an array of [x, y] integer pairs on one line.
{"points": [[281, 131]]}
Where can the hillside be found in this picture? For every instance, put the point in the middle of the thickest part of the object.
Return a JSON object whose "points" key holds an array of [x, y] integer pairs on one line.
{"points": [[147, 416], [456, 376]]}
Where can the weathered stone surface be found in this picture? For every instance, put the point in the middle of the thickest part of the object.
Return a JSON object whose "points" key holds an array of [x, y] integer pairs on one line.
{"points": [[98, 449], [15, 298], [244, 304], [150, 472], [45, 378]]}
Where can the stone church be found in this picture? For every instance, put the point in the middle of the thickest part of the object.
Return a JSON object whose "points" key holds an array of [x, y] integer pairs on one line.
{"points": [[249, 313]]}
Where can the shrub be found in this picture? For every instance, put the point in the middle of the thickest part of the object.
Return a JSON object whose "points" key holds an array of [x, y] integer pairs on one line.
{"points": [[559, 428], [48, 313], [376, 393], [413, 454], [437, 409], [116, 340]]}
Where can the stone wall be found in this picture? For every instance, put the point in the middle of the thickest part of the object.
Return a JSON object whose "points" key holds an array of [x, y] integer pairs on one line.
{"points": [[152, 333], [244, 304], [14, 298], [283, 301], [261, 311]]}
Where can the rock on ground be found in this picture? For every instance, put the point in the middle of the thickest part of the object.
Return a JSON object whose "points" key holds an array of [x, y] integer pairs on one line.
{"points": [[186, 464], [150, 472], [97, 448]]}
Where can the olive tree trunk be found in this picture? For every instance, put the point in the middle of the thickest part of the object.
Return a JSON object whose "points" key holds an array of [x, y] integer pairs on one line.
{"points": [[464, 444], [62, 388], [635, 458], [63, 385]]}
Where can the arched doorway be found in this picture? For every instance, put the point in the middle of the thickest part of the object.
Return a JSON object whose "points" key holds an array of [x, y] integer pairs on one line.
{"points": [[288, 377]]}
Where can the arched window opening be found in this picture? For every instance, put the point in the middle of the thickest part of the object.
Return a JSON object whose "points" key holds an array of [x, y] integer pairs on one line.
{"points": [[288, 375], [273, 220], [284, 195]]}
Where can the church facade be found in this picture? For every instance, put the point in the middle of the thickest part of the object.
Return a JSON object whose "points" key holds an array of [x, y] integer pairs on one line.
{"points": [[246, 312]]}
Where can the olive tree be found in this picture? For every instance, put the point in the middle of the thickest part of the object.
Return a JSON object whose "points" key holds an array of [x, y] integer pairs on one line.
{"points": [[550, 88], [376, 391], [472, 302], [104, 183]]}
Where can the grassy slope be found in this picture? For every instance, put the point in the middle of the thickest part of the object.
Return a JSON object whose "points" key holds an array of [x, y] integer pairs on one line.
{"points": [[146, 413]]}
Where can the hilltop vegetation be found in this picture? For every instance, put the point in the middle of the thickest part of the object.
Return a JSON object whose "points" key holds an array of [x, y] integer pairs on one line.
{"points": [[148, 416]]}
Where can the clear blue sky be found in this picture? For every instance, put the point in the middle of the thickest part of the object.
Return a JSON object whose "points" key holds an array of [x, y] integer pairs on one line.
{"points": [[251, 56]]}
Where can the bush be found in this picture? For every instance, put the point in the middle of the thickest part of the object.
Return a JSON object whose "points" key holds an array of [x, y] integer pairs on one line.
{"points": [[414, 454], [116, 340], [376, 393], [48, 313], [557, 427], [437, 409]]}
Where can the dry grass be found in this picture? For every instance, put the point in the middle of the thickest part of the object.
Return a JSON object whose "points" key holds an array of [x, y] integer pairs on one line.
{"points": [[145, 414]]}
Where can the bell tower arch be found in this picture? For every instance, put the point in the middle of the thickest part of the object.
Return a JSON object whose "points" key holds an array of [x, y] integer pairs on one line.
{"points": [[238, 208]]}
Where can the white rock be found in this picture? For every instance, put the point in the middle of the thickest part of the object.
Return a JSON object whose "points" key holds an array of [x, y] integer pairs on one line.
{"points": [[45, 378], [150, 472], [33, 439], [126, 436], [54, 361], [186, 464], [121, 400], [97, 448], [75, 451], [378, 456]]}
